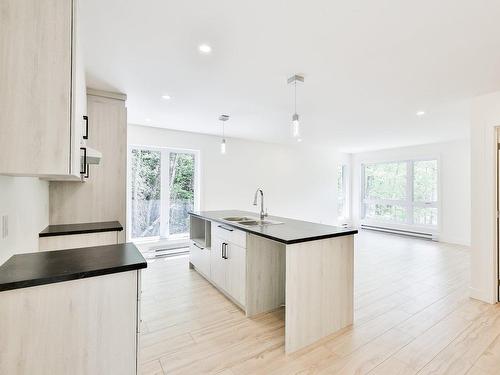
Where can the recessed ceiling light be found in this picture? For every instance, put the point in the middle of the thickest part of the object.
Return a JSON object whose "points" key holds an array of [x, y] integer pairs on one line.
{"points": [[147, 119], [166, 97], [205, 48], [420, 113], [299, 139]]}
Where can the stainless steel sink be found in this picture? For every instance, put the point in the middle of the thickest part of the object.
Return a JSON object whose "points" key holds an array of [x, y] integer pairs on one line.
{"points": [[257, 222], [250, 221], [238, 218]]}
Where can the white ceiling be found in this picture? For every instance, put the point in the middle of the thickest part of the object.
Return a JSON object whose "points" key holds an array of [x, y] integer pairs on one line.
{"points": [[369, 65]]}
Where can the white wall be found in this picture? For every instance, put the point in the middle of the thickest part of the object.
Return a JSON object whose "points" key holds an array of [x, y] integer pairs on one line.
{"points": [[484, 121], [26, 202], [298, 181], [454, 160], [346, 159]]}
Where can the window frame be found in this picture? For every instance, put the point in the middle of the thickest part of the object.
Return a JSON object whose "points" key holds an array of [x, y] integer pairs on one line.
{"points": [[409, 203], [164, 189], [345, 191]]}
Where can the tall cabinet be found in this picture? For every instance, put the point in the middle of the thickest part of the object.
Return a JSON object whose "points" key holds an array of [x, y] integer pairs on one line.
{"points": [[42, 89], [103, 196]]}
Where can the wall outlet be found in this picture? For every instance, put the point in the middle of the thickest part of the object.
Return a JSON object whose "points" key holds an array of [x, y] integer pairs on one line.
{"points": [[4, 227]]}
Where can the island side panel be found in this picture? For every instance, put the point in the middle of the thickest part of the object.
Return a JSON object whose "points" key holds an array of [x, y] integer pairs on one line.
{"points": [[319, 290], [265, 282], [78, 327]]}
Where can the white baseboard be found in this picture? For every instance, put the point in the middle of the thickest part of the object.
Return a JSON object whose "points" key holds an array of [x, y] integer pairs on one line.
{"points": [[482, 295], [455, 241], [402, 230]]}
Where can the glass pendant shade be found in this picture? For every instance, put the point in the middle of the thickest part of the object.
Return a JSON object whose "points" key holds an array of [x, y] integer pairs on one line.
{"points": [[295, 126], [223, 119], [223, 147]]}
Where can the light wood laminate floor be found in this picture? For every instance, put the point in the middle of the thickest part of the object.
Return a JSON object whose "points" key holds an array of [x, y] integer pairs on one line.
{"points": [[412, 315]]}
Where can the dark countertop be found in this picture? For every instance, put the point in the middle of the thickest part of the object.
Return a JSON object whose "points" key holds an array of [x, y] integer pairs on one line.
{"points": [[47, 267], [290, 232], [81, 228]]}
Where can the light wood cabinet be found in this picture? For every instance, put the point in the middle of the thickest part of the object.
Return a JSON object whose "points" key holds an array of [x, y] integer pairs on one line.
{"points": [[229, 234], [217, 263], [79, 327], [42, 90], [228, 266], [103, 196], [236, 272], [218, 252]]}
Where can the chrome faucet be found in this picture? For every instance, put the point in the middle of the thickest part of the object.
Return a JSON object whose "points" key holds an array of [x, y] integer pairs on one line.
{"points": [[262, 213]]}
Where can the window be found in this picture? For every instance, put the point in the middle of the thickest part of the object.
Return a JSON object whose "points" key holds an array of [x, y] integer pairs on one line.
{"points": [[342, 209], [425, 194], [162, 191], [401, 192], [145, 193]]}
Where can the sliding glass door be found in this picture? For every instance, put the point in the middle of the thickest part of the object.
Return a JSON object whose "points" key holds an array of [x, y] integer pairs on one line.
{"points": [[145, 193], [181, 180], [163, 188]]}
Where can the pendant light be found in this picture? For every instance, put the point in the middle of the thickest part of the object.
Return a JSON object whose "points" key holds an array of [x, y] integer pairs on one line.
{"points": [[223, 118], [295, 127]]}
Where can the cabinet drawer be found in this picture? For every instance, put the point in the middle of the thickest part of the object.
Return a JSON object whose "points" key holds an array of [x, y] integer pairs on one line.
{"points": [[200, 258], [229, 234]]}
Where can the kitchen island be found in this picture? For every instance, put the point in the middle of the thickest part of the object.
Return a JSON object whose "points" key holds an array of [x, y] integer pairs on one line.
{"points": [[263, 264]]}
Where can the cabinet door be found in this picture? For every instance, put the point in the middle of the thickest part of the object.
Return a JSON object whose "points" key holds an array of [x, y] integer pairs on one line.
{"points": [[85, 326], [205, 262], [217, 264], [236, 272], [35, 89], [79, 93]]}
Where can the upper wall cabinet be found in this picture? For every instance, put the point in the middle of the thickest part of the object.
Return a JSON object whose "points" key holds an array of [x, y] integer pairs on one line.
{"points": [[42, 89]]}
